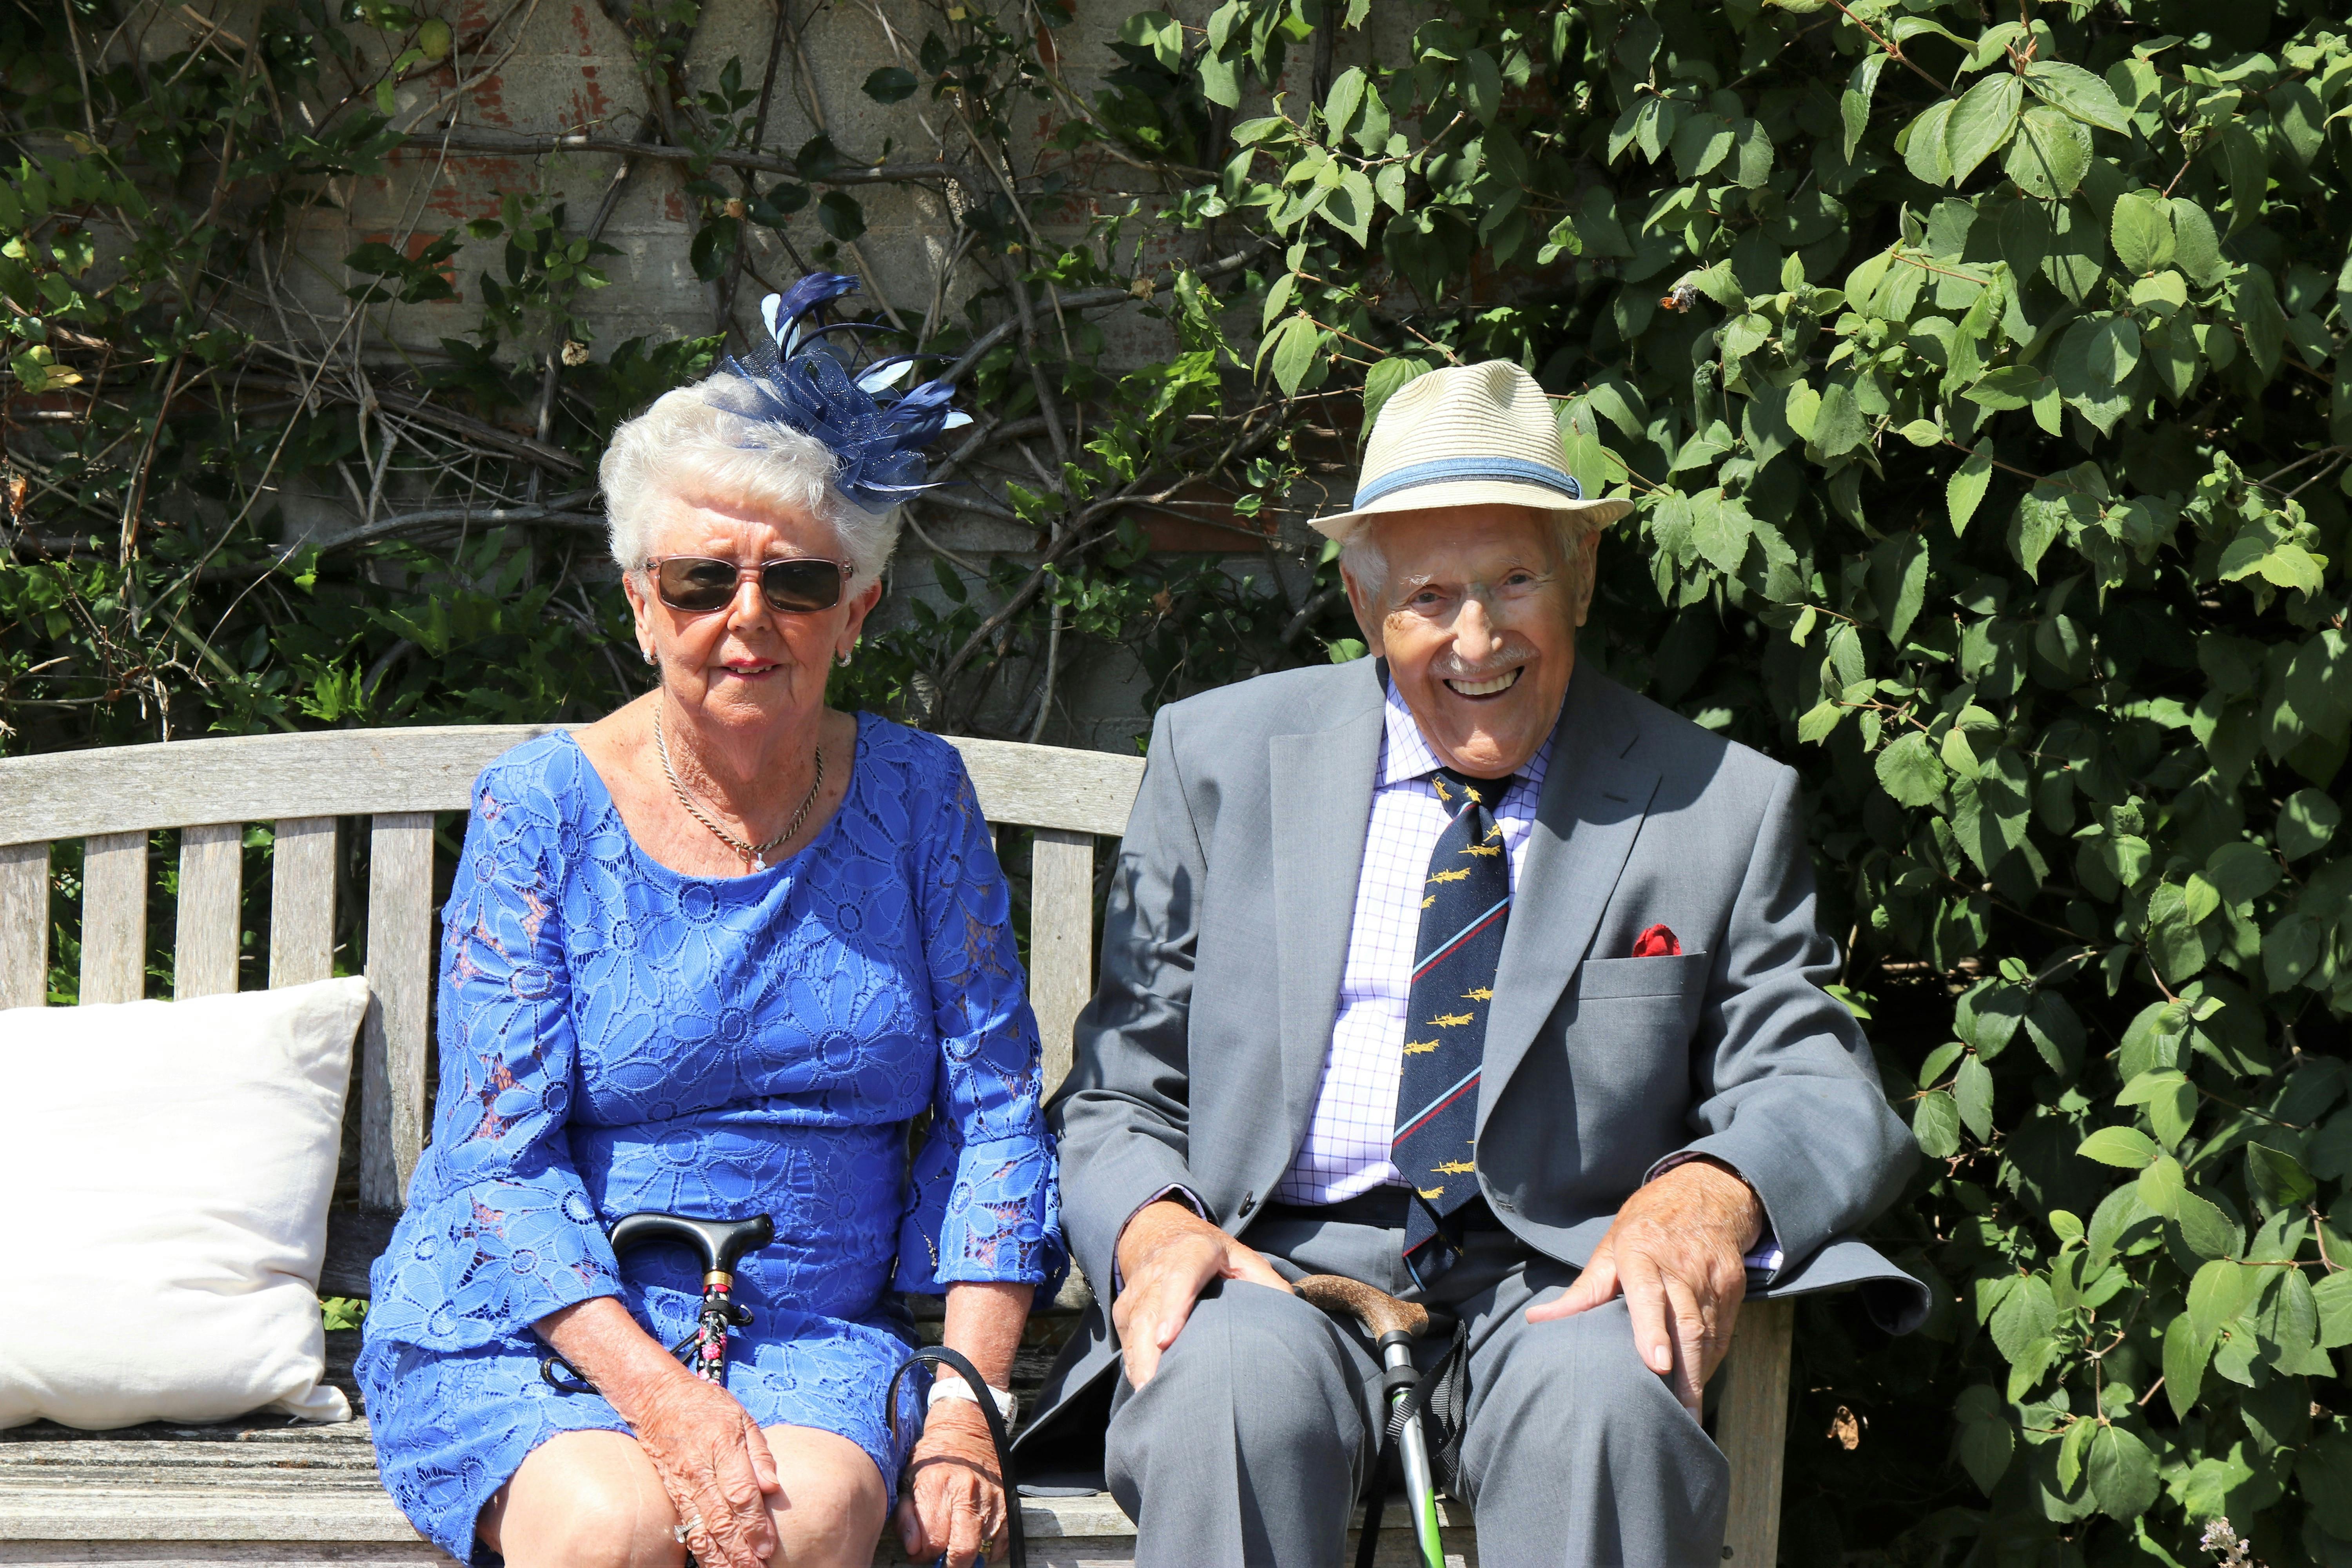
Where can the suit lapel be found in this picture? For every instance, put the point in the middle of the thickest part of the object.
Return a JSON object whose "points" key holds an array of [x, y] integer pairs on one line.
{"points": [[1322, 803], [1594, 798]]}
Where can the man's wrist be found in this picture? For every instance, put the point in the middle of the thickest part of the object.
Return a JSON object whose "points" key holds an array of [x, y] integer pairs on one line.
{"points": [[1722, 1176], [1152, 1224], [1148, 1225]]}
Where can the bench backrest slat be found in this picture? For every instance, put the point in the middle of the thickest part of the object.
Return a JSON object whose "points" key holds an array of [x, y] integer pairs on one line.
{"points": [[400, 986], [302, 901], [212, 875], [114, 916], [115, 798], [1061, 939], [24, 925]]}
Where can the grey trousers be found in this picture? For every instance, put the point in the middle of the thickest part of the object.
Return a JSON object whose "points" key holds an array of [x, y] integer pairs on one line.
{"points": [[1251, 1443]]}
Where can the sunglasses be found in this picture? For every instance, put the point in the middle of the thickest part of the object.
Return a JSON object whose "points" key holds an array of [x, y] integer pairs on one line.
{"points": [[700, 586]]}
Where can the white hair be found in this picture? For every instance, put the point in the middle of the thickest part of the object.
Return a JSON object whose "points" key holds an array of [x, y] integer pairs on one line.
{"points": [[1365, 561], [686, 446]]}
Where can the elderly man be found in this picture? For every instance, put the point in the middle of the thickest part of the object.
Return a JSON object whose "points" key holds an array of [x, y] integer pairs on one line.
{"points": [[1463, 972]]}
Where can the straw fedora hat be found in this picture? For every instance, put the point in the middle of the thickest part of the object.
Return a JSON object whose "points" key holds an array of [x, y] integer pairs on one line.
{"points": [[1468, 435]]}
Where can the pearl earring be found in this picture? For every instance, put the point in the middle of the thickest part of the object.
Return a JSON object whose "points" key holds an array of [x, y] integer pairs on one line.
{"points": [[646, 654]]}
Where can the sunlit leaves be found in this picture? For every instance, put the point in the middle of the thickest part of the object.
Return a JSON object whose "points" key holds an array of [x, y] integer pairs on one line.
{"points": [[1980, 123]]}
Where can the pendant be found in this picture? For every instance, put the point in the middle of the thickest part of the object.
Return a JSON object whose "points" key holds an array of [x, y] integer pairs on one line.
{"points": [[759, 862]]}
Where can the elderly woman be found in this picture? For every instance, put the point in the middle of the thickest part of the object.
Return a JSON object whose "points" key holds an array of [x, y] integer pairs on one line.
{"points": [[713, 955]]}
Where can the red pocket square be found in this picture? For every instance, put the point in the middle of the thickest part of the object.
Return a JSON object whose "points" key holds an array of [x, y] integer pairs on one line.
{"points": [[1658, 942]]}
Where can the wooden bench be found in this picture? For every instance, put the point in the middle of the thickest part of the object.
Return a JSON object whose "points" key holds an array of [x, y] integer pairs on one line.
{"points": [[263, 1491]]}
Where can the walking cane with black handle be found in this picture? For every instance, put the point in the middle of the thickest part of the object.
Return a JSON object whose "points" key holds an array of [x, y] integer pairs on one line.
{"points": [[1393, 1326], [718, 1245]]}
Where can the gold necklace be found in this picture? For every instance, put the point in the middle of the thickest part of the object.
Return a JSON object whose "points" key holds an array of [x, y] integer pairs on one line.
{"points": [[754, 854]]}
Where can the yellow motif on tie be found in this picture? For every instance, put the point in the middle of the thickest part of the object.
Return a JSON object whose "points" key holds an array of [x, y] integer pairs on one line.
{"points": [[1453, 1168], [1439, 786], [1484, 849], [1451, 876], [1433, 1194], [1418, 1047], [1429, 900], [1496, 831], [1481, 995], [1452, 1020]]}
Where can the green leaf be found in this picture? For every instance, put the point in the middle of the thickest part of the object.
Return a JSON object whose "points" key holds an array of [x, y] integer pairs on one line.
{"points": [[2050, 155], [1980, 122], [2126, 1146], [890, 84], [2249, 170], [1853, 104], [1923, 144], [1965, 490], [2163, 1185], [2076, 92], [2195, 248], [1720, 528], [1972, 1093], [1909, 773], [1346, 96], [2174, 941], [2204, 1229], [2333, 1297], [1986, 1447], [2307, 820], [2255, 304], [2185, 1351], [2277, 1180], [839, 215], [1296, 345], [2026, 1314], [2140, 230], [2218, 1292], [1839, 427], [1384, 380], [1935, 1123], [2122, 1472], [2241, 872]]}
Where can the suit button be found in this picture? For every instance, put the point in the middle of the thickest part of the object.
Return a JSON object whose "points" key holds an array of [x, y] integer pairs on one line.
{"points": [[1249, 1202]]}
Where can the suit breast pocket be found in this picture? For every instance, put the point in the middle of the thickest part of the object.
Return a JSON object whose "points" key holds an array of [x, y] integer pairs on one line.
{"points": [[1682, 974]]}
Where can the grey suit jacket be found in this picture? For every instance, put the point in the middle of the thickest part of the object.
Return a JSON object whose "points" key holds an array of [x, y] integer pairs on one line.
{"points": [[1199, 1059]]}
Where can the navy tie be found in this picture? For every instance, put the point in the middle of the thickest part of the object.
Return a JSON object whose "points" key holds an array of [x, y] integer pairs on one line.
{"points": [[1464, 905]]}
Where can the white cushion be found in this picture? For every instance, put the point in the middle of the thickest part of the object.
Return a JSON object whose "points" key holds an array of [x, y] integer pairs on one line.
{"points": [[165, 1174]]}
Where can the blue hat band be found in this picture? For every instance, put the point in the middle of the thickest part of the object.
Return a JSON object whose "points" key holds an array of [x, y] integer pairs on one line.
{"points": [[1446, 471]]}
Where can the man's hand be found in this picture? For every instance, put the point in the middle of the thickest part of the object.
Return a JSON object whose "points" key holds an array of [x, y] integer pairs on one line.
{"points": [[1166, 1256], [1675, 1252]]}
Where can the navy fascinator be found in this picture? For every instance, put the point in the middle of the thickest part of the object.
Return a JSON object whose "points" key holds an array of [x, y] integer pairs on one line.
{"points": [[798, 381]]}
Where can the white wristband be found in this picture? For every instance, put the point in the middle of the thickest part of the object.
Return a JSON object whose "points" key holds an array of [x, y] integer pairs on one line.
{"points": [[947, 1384]]}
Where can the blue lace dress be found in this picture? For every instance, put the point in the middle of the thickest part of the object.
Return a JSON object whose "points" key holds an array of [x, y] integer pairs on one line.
{"points": [[615, 1036]]}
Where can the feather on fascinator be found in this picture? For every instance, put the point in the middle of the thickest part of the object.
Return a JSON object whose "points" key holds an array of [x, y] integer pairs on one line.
{"points": [[796, 380]]}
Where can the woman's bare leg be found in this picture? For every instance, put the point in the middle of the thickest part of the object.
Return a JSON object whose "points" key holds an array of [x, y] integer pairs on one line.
{"points": [[831, 1509], [586, 1499]]}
